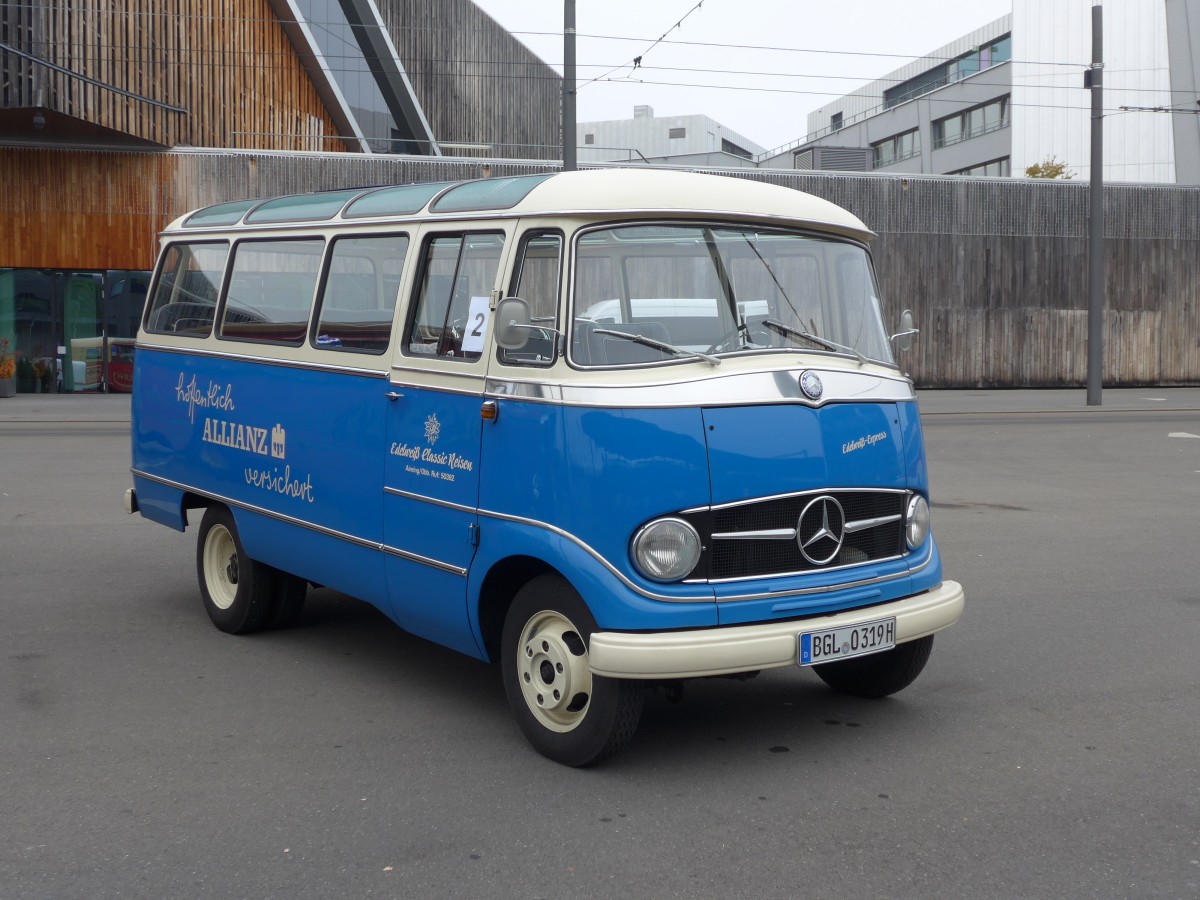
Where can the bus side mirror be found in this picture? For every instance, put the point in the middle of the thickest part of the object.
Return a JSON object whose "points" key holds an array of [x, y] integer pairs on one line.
{"points": [[908, 330], [512, 323]]}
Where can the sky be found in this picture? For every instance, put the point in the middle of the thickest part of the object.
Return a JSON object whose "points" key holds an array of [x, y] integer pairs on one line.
{"points": [[796, 55]]}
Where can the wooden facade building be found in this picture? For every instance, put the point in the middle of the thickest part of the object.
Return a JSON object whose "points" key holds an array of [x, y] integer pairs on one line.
{"points": [[116, 118]]}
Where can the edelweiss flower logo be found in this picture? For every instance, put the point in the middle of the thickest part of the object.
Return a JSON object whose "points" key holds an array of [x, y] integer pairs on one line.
{"points": [[433, 429]]}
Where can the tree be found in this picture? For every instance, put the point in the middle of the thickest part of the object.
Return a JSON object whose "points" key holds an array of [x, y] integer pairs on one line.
{"points": [[1049, 168]]}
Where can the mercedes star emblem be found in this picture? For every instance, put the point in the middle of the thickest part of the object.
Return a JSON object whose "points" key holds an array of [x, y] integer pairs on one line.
{"points": [[810, 383], [821, 530]]}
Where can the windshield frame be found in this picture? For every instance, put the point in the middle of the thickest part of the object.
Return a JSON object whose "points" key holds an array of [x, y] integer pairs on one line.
{"points": [[702, 231]]}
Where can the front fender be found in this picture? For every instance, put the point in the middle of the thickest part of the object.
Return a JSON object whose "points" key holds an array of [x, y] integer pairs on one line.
{"points": [[613, 602]]}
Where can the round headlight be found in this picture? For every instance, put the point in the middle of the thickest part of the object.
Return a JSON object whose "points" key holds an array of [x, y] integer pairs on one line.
{"points": [[666, 549], [916, 522]]}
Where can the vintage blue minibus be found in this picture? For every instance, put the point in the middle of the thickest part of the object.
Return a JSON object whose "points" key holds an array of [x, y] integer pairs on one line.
{"points": [[611, 429]]}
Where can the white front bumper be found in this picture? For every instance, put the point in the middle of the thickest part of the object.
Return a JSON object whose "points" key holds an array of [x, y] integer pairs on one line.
{"points": [[744, 648]]}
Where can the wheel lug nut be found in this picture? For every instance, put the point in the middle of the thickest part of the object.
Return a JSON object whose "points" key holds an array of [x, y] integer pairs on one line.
{"points": [[559, 666]]}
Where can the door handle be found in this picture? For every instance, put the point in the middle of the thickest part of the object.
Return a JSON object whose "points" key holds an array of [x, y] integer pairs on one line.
{"points": [[393, 395]]}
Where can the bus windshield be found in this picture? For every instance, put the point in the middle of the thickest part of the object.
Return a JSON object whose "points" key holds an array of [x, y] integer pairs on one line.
{"points": [[721, 289]]}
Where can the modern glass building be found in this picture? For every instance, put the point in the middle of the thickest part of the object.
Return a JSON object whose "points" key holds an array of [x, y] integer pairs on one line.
{"points": [[1011, 95]]}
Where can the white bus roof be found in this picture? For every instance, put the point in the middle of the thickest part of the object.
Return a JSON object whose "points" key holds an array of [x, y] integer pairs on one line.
{"points": [[600, 192]]}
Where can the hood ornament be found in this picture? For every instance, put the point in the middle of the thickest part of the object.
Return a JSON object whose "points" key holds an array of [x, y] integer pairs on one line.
{"points": [[810, 383]]}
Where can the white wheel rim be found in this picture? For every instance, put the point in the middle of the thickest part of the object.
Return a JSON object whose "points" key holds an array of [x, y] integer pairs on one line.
{"points": [[552, 669], [220, 566]]}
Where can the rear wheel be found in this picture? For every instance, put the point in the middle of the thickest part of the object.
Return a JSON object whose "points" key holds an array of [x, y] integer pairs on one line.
{"points": [[239, 593], [878, 674], [568, 714]]}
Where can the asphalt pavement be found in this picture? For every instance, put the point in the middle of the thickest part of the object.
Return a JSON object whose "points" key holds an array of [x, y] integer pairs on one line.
{"points": [[1048, 750]]}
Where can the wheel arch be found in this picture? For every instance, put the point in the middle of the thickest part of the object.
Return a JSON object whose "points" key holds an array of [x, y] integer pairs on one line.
{"points": [[191, 500], [500, 586]]}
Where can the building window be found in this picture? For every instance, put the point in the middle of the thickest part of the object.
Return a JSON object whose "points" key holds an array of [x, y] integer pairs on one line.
{"points": [[896, 148], [997, 168], [677, 133], [971, 123], [983, 57], [589, 139], [835, 122], [730, 147]]}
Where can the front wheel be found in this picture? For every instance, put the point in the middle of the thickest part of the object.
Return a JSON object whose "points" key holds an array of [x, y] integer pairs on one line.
{"points": [[568, 714], [878, 674]]}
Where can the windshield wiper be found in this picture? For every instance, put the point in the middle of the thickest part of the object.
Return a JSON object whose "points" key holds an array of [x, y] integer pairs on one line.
{"points": [[658, 345], [780, 328]]}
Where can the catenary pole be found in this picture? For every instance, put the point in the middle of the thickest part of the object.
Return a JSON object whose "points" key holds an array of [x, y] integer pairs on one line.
{"points": [[568, 96], [1095, 374]]}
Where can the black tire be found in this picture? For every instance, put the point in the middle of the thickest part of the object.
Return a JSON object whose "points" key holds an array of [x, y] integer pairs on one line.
{"points": [[878, 674], [239, 593], [582, 718]]}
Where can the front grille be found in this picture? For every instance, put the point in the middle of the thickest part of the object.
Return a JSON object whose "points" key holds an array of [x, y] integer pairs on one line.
{"points": [[874, 530]]}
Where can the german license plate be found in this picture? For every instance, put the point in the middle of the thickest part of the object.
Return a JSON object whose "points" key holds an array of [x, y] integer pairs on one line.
{"points": [[834, 644]]}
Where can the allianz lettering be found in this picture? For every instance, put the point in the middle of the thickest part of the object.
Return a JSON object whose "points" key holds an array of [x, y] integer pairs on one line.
{"points": [[250, 438], [211, 396], [277, 482]]}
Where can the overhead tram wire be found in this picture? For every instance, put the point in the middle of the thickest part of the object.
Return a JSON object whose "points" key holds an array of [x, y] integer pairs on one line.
{"points": [[637, 60], [124, 49], [237, 19], [506, 63], [662, 40], [1164, 109]]}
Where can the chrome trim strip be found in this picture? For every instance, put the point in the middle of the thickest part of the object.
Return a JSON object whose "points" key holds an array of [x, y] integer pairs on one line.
{"points": [[769, 386], [749, 388], [788, 496], [396, 369], [423, 560], [534, 391], [774, 534], [407, 495], [864, 524], [263, 360], [301, 523]]}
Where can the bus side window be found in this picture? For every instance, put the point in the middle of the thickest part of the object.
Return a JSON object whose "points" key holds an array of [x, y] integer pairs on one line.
{"points": [[456, 268], [185, 297], [536, 280], [271, 288], [359, 295]]}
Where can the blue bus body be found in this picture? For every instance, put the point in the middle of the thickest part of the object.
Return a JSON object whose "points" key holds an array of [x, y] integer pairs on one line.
{"points": [[512, 493]]}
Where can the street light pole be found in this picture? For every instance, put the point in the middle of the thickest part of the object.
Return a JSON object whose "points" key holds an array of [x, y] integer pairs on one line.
{"points": [[568, 97], [1095, 81]]}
